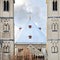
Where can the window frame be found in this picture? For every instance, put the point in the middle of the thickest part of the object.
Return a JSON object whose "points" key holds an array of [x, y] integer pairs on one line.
{"points": [[6, 49], [54, 49], [54, 27], [55, 8], [6, 27], [6, 5]]}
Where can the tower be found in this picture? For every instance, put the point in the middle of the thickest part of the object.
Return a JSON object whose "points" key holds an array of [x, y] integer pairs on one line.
{"points": [[6, 29], [53, 29]]}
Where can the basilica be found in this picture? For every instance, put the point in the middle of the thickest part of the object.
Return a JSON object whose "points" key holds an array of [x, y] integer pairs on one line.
{"points": [[31, 43]]}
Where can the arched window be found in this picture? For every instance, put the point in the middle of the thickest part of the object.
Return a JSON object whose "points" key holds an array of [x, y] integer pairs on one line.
{"points": [[54, 27], [54, 5], [6, 49], [6, 5], [6, 27], [54, 49]]}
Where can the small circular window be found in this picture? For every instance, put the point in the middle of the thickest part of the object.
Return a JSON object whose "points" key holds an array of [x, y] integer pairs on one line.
{"points": [[30, 37], [20, 28], [40, 28], [30, 26]]}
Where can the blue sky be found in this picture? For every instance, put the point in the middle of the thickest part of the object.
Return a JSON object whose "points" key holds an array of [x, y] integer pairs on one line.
{"points": [[38, 14]]}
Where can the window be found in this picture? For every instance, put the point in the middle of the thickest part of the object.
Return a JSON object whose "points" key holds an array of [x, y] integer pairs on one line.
{"points": [[19, 50], [30, 36], [1, 44], [6, 27], [13, 1], [40, 28], [6, 49], [54, 49], [54, 5], [6, 5], [54, 27], [30, 26], [39, 50], [20, 28]]}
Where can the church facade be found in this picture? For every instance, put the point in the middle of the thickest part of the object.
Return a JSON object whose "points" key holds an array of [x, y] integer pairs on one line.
{"points": [[53, 29], [7, 34], [30, 52], [31, 43], [6, 29]]}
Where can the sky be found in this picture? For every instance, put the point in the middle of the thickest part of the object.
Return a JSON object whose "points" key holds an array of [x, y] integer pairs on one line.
{"points": [[24, 9]]}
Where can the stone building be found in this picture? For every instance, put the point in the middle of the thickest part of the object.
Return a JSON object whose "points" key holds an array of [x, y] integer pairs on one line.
{"points": [[31, 43], [53, 29], [6, 29], [30, 51]]}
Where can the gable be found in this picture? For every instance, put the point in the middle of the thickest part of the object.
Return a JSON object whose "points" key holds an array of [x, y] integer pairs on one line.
{"points": [[31, 34]]}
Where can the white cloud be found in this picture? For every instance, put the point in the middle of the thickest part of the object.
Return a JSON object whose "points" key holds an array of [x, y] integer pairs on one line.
{"points": [[20, 2]]}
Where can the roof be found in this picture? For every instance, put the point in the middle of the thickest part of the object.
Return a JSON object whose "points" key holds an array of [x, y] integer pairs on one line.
{"points": [[35, 51], [37, 35]]}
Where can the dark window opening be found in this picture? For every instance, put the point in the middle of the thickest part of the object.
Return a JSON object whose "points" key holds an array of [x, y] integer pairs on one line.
{"points": [[54, 27], [19, 50], [30, 26], [6, 27], [54, 5], [6, 5], [20, 28], [40, 28], [54, 49], [6, 49], [30, 37], [39, 49], [13, 1], [1, 43]]}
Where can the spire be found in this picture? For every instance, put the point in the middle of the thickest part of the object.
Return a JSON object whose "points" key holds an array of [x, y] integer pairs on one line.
{"points": [[30, 15]]}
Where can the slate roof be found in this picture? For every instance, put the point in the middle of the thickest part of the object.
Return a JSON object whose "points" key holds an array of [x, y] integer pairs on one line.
{"points": [[37, 36]]}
